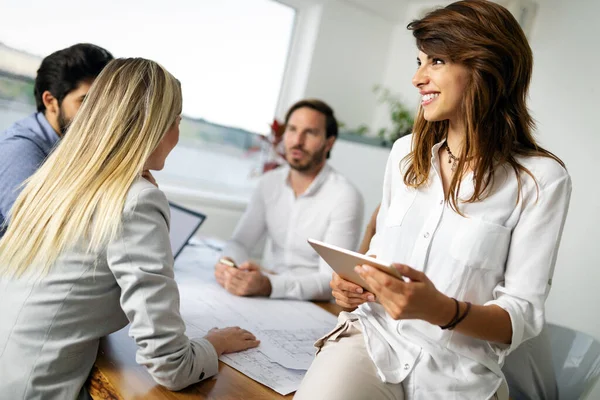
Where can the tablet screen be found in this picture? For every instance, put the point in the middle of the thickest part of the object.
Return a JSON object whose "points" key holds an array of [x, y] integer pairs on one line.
{"points": [[184, 223]]}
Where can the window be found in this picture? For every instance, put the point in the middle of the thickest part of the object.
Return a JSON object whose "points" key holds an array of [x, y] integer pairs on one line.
{"points": [[229, 55], [16, 96]]}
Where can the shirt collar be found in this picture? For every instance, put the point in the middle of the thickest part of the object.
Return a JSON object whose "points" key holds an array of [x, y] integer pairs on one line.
{"points": [[46, 129], [436, 148], [316, 183], [435, 160]]}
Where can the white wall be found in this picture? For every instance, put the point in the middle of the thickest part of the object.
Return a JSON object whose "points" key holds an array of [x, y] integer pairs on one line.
{"points": [[564, 101], [348, 60], [364, 166], [402, 64]]}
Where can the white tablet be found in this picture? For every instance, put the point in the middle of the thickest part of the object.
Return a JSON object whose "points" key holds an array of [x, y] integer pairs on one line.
{"points": [[343, 261]]}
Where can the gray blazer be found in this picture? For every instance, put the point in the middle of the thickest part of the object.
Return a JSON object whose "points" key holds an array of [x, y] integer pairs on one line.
{"points": [[50, 329]]}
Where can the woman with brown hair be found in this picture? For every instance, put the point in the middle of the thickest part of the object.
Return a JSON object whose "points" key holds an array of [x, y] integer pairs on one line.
{"points": [[472, 214]]}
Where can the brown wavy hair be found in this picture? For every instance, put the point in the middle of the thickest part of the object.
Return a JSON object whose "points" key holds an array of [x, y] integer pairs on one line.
{"points": [[484, 37]]}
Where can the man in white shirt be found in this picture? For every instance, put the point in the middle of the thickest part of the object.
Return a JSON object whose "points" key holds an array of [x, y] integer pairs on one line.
{"points": [[306, 198]]}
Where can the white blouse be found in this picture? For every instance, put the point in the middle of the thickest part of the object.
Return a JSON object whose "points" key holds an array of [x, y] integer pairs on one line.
{"points": [[502, 253]]}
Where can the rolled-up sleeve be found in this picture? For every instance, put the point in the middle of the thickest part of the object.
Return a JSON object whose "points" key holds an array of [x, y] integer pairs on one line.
{"points": [[141, 260], [531, 260]]}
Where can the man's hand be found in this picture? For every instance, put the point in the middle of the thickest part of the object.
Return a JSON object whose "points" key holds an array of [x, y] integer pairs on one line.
{"points": [[220, 271], [246, 280]]}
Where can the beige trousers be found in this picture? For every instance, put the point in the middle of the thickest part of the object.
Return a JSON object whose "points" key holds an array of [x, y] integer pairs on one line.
{"points": [[330, 378]]}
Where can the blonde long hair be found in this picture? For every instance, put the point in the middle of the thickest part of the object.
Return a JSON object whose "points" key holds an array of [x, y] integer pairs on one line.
{"points": [[78, 194]]}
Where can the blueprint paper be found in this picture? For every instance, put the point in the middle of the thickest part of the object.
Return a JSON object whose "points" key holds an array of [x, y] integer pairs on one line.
{"points": [[254, 364], [287, 329]]}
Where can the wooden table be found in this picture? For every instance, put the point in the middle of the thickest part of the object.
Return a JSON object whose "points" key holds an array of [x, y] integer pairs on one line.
{"points": [[116, 376]]}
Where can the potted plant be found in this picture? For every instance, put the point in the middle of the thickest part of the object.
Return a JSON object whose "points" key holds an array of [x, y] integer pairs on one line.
{"points": [[400, 116]]}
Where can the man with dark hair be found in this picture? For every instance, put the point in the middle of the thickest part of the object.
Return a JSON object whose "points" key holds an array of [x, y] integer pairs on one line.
{"points": [[331, 125], [306, 198], [61, 84]]}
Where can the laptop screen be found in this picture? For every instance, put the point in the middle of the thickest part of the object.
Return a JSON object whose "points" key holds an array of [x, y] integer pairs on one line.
{"points": [[184, 223]]}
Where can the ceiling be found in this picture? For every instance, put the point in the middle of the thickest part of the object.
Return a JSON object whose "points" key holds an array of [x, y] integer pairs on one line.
{"points": [[390, 10]]}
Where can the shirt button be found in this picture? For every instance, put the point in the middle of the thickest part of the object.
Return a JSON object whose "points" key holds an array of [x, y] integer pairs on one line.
{"points": [[426, 235], [406, 367], [441, 202]]}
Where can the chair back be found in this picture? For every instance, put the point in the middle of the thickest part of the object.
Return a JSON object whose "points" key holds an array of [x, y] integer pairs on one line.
{"points": [[576, 361]]}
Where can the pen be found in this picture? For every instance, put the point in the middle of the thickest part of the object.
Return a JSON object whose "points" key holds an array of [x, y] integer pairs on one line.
{"points": [[234, 265], [227, 262]]}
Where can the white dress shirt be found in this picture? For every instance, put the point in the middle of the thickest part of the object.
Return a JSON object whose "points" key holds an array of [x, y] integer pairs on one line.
{"points": [[503, 252], [330, 210]]}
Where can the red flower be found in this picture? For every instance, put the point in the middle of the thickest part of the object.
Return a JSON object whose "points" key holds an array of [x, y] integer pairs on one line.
{"points": [[277, 131]]}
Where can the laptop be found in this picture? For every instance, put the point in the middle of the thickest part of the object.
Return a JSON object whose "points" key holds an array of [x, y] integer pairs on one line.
{"points": [[184, 224]]}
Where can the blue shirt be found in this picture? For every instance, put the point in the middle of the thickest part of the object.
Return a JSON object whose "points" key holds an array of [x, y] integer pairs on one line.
{"points": [[23, 148]]}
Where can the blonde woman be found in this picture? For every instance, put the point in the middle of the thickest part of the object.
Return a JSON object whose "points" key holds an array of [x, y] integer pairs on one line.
{"points": [[87, 249]]}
